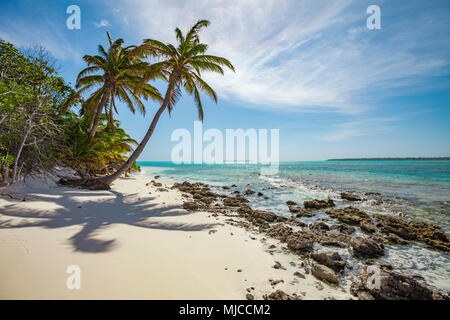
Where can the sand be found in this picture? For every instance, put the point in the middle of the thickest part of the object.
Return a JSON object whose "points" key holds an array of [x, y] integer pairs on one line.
{"points": [[135, 242]]}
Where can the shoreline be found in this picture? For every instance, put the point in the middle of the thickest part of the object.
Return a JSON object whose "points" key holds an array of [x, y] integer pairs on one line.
{"points": [[133, 244]]}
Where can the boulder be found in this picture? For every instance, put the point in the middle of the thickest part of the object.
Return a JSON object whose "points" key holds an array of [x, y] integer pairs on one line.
{"points": [[350, 196], [301, 240], [353, 216], [280, 295], [280, 231], [249, 192], [331, 260], [426, 233], [392, 285], [320, 226], [334, 239], [192, 206], [318, 204], [367, 247], [343, 228], [264, 215], [324, 273], [234, 201], [301, 212]]}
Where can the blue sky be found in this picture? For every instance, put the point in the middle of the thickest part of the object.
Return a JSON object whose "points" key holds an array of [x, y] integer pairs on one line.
{"points": [[311, 69]]}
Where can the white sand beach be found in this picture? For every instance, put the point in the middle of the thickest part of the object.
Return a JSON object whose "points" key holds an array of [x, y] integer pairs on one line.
{"points": [[135, 242]]}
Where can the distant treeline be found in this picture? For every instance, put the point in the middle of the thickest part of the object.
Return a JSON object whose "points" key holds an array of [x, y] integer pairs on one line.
{"points": [[373, 159]]}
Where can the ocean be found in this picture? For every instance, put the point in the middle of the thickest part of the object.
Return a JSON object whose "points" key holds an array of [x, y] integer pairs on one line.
{"points": [[413, 189]]}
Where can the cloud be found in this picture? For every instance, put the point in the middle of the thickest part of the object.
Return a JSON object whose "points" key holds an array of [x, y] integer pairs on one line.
{"points": [[54, 41], [102, 23], [297, 55], [359, 128]]}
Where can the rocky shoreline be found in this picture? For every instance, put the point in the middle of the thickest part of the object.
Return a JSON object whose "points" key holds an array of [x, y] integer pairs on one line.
{"points": [[363, 235]]}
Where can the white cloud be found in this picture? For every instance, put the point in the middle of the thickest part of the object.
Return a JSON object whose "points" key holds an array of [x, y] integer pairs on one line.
{"points": [[359, 128], [102, 23], [296, 55], [49, 37]]}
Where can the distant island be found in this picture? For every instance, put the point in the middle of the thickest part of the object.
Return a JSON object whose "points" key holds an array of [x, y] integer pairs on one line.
{"points": [[373, 159]]}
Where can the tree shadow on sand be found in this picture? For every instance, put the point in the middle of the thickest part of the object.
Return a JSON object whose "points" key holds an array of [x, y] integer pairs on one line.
{"points": [[94, 215]]}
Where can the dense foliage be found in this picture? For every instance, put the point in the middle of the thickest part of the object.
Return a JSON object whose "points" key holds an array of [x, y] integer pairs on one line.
{"points": [[38, 130]]}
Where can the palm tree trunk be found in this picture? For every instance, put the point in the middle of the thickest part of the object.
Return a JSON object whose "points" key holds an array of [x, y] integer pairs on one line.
{"points": [[98, 115], [126, 166]]}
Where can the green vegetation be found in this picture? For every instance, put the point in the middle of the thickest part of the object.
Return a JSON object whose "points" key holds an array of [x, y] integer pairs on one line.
{"points": [[181, 66], [40, 126], [38, 130]]}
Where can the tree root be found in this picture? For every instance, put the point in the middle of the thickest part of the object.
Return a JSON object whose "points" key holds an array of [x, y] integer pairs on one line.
{"points": [[89, 184]]}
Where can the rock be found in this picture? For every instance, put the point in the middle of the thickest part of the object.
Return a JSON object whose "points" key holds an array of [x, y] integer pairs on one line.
{"points": [[298, 274], [275, 282], [320, 226], [278, 265], [280, 231], [324, 273], [249, 192], [296, 222], [280, 295], [367, 247], [357, 290], [234, 201], [318, 204], [350, 196], [156, 184], [426, 233], [260, 194], [395, 239], [352, 215], [249, 296], [162, 190], [393, 285], [331, 260], [334, 239], [368, 226], [192, 206], [301, 212], [264, 215], [301, 240], [244, 210], [291, 203], [343, 228], [156, 177], [225, 187]]}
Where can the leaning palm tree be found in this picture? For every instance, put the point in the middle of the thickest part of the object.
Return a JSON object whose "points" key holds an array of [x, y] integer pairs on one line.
{"points": [[120, 76], [182, 67]]}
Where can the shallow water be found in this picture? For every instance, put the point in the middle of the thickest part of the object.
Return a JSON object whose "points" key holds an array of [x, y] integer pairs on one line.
{"points": [[414, 189]]}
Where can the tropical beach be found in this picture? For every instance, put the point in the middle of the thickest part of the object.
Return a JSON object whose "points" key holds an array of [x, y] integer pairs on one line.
{"points": [[240, 158]]}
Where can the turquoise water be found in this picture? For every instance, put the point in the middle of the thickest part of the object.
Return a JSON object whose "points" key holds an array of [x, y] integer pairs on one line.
{"points": [[418, 190]]}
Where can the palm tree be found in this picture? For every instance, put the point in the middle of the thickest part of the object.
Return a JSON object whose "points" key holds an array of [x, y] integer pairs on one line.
{"points": [[182, 67], [120, 76]]}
